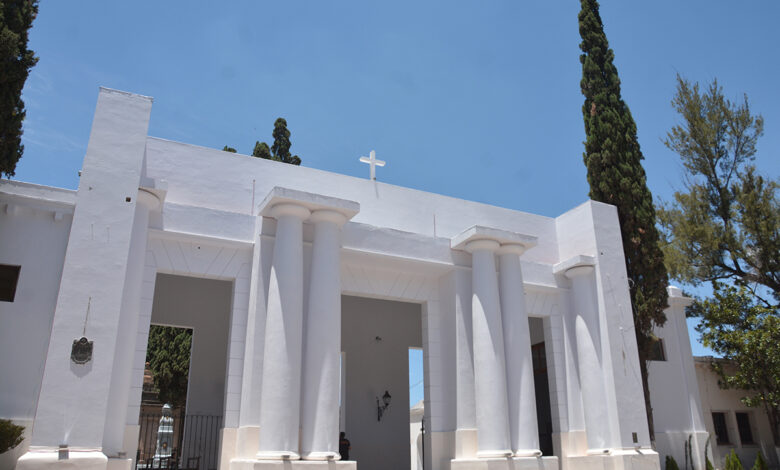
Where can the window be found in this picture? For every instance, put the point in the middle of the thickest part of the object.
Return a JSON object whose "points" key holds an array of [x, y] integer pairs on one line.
{"points": [[9, 276], [721, 431], [743, 426], [658, 351]]}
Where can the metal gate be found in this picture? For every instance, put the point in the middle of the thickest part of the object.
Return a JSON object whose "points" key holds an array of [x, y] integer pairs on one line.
{"points": [[194, 446]]}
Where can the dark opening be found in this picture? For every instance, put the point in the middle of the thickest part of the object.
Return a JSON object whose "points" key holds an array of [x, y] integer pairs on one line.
{"points": [[658, 351], [721, 431], [542, 389], [743, 425], [9, 278]]}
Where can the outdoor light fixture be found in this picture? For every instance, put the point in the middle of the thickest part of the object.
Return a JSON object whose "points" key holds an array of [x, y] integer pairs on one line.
{"points": [[381, 407]]}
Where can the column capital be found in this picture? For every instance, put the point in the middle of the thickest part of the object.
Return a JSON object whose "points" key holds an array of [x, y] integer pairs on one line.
{"points": [[466, 240], [288, 208], [312, 202], [571, 267], [328, 215], [148, 199]]}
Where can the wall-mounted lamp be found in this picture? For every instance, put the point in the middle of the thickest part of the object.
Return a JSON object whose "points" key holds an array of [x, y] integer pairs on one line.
{"points": [[381, 407]]}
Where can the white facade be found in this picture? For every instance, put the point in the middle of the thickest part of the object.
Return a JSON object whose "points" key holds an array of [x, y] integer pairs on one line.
{"points": [[292, 241]]}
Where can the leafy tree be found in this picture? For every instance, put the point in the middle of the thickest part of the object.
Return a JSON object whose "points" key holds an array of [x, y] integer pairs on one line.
{"points": [[168, 355], [16, 60], [11, 435], [747, 335], [615, 174], [261, 150], [228, 149], [281, 147], [725, 224], [670, 463]]}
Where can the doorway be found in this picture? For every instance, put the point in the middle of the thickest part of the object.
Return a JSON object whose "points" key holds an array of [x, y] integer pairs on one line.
{"points": [[376, 336]]}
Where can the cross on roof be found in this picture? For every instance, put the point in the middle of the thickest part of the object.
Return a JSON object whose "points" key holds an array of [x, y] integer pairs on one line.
{"points": [[373, 163]]}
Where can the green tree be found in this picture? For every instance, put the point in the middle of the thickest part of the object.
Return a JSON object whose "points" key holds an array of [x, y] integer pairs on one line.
{"points": [[168, 355], [261, 150], [746, 335], [228, 149], [16, 60], [725, 224], [615, 174], [281, 147], [670, 463], [11, 435]]}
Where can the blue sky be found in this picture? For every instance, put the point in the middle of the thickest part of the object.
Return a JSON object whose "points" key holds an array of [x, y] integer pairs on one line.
{"points": [[476, 100]]}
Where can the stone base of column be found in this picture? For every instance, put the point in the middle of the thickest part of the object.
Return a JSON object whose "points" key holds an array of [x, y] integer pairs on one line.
{"points": [[642, 459], [49, 458], [512, 463], [247, 464], [465, 443]]}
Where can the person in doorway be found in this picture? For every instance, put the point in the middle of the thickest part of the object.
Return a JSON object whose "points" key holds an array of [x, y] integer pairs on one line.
{"points": [[344, 446]]}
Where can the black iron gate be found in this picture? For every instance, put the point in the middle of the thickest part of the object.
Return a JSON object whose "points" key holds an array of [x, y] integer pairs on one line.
{"points": [[195, 443]]}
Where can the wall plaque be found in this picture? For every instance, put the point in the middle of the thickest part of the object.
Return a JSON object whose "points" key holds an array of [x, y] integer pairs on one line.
{"points": [[81, 352]]}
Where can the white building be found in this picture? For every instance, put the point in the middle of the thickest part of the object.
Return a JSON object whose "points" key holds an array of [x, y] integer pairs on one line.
{"points": [[289, 274]]}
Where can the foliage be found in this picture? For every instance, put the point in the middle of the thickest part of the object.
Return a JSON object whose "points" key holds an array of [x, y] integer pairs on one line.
{"points": [[670, 463], [743, 332], [707, 464], [280, 150], [733, 462], [16, 60], [760, 463], [168, 355], [228, 149], [261, 150], [725, 225], [11, 435], [615, 174], [689, 453]]}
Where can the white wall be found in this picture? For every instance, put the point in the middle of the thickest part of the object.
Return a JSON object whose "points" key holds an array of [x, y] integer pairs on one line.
{"points": [[30, 236], [373, 366]]}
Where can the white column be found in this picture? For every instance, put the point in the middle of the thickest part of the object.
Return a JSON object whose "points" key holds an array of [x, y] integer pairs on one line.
{"points": [[466, 425], [524, 433], [587, 332], [322, 348], [116, 411], [489, 364], [280, 398]]}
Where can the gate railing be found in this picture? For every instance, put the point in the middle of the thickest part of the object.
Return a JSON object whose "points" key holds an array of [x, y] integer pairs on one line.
{"points": [[195, 443]]}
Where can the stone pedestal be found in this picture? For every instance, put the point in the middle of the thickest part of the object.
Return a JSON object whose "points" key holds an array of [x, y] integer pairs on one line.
{"points": [[247, 464], [511, 463]]}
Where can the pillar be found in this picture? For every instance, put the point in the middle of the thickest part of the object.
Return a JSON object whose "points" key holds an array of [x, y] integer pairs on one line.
{"points": [[466, 425], [591, 374], [523, 429], [489, 364], [280, 398], [322, 350], [116, 415]]}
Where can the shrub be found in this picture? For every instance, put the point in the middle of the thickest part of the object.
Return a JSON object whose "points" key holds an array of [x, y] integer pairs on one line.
{"points": [[10, 435], [671, 464], [733, 462], [760, 463]]}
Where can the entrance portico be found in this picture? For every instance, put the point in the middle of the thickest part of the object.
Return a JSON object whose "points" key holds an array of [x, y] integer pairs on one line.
{"points": [[294, 240]]}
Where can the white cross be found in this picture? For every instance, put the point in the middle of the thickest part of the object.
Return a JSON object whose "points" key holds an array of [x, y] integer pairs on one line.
{"points": [[373, 162]]}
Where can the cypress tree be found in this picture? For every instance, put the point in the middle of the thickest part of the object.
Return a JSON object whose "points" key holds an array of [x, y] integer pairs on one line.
{"points": [[281, 147], [615, 175], [16, 17]]}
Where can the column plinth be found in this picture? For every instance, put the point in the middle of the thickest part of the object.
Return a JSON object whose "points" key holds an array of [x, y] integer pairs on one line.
{"points": [[524, 437], [280, 398]]}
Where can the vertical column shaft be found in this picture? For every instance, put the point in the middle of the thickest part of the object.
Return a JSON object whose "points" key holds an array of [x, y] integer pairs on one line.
{"points": [[524, 437], [322, 348], [116, 412], [280, 398], [489, 362], [588, 337], [465, 436]]}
